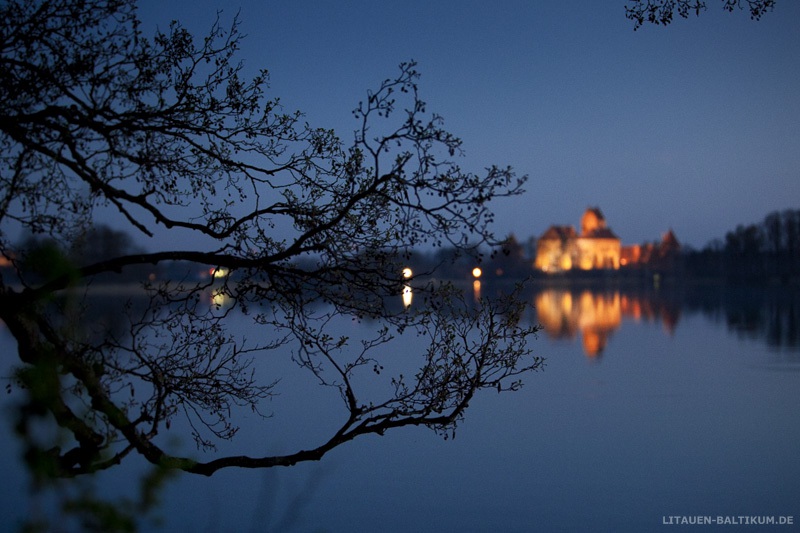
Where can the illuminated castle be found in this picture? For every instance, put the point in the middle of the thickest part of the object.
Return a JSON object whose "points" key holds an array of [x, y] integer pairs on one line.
{"points": [[560, 248]]}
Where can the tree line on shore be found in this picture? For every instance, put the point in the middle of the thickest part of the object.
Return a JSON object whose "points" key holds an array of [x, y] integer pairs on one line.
{"points": [[767, 251], [762, 252]]}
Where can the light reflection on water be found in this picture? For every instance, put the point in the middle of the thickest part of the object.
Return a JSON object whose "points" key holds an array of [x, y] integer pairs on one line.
{"points": [[595, 316], [692, 411], [770, 315], [408, 296]]}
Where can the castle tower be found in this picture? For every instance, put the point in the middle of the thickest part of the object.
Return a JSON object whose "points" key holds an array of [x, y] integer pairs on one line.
{"points": [[592, 221]]}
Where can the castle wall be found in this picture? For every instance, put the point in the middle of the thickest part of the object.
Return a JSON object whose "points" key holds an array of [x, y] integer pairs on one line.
{"points": [[560, 248], [596, 253]]}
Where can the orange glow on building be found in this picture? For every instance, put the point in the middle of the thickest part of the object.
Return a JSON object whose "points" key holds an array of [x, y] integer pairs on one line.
{"points": [[562, 249], [658, 256]]}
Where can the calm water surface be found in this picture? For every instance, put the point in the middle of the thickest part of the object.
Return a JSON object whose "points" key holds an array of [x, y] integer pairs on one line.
{"points": [[651, 405]]}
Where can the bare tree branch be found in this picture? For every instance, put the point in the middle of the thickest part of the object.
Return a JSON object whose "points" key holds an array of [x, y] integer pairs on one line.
{"points": [[166, 131]]}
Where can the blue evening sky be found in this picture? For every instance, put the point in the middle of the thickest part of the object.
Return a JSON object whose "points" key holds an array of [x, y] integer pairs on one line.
{"points": [[694, 127]]}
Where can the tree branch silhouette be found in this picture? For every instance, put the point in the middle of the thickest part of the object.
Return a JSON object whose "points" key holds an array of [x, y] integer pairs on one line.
{"points": [[662, 12], [301, 228]]}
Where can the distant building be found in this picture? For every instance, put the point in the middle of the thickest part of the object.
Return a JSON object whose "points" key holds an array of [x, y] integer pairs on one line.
{"points": [[653, 256], [560, 248]]}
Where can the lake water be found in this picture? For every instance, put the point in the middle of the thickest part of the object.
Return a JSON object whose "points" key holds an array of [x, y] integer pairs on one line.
{"points": [[654, 407]]}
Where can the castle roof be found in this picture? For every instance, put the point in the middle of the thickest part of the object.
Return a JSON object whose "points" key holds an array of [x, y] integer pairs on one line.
{"points": [[596, 212], [669, 239], [559, 233], [600, 233]]}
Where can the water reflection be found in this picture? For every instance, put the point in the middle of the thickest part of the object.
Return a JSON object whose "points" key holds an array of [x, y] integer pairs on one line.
{"points": [[476, 290], [563, 314], [666, 424], [770, 313], [408, 296], [595, 314], [220, 299], [760, 313], [476, 285]]}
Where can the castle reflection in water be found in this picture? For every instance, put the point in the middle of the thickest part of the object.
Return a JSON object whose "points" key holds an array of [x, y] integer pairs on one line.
{"points": [[595, 316]]}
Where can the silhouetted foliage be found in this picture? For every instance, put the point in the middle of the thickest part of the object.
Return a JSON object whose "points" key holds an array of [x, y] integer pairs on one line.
{"points": [[663, 11], [753, 253], [46, 258], [508, 260], [300, 229]]}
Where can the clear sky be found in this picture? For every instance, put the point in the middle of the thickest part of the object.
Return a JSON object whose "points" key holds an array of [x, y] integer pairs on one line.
{"points": [[694, 127]]}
